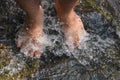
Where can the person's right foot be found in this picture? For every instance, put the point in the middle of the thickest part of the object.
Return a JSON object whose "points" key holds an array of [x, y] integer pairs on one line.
{"points": [[30, 45], [29, 39]]}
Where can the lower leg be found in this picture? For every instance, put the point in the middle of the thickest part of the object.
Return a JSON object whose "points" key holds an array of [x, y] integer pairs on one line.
{"points": [[34, 16], [65, 7]]}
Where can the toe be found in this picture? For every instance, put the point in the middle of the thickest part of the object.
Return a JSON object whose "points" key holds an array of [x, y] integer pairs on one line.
{"points": [[18, 43], [37, 54], [34, 54], [76, 42], [31, 53], [24, 43]]}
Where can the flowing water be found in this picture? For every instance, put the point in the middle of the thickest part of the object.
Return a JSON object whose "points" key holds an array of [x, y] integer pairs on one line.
{"points": [[97, 58]]}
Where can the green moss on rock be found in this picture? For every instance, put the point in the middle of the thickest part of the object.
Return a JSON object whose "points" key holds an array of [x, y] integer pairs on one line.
{"points": [[4, 56], [28, 71], [31, 66]]}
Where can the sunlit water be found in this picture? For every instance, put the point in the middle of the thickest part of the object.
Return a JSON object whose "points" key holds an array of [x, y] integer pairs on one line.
{"points": [[96, 58]]}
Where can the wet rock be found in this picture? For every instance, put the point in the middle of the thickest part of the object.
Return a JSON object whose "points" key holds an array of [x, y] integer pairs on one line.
{"points": [[12, 67], [4, 56]]}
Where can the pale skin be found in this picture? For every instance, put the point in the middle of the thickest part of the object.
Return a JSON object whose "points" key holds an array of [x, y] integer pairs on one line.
{"points": [[72, 25]]}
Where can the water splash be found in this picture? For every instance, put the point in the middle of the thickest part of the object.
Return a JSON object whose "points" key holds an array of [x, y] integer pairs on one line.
{"points": [[28, 43]]}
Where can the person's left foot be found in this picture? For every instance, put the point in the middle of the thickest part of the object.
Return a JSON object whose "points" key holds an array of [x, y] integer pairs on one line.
{"points": [[72, 27]]}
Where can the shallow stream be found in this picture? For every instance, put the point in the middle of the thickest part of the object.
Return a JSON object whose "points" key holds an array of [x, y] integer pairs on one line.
{"points": [[98, 58]]}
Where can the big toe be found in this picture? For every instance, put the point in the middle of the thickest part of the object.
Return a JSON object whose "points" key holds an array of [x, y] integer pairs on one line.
{"points": [[34, 53]]}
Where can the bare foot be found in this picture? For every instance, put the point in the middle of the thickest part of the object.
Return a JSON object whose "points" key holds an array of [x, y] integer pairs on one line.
{"points": [[72, 26], [30, 40], [30, 44], [74, 30]]}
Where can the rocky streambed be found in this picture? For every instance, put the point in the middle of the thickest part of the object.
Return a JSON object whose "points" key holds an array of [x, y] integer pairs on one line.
{"points": [[98, 58]]}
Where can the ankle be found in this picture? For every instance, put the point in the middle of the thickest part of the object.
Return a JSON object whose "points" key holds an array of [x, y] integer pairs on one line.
{"points": [[66, 18], [34, 26], [34, 32], [63, 13]]}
